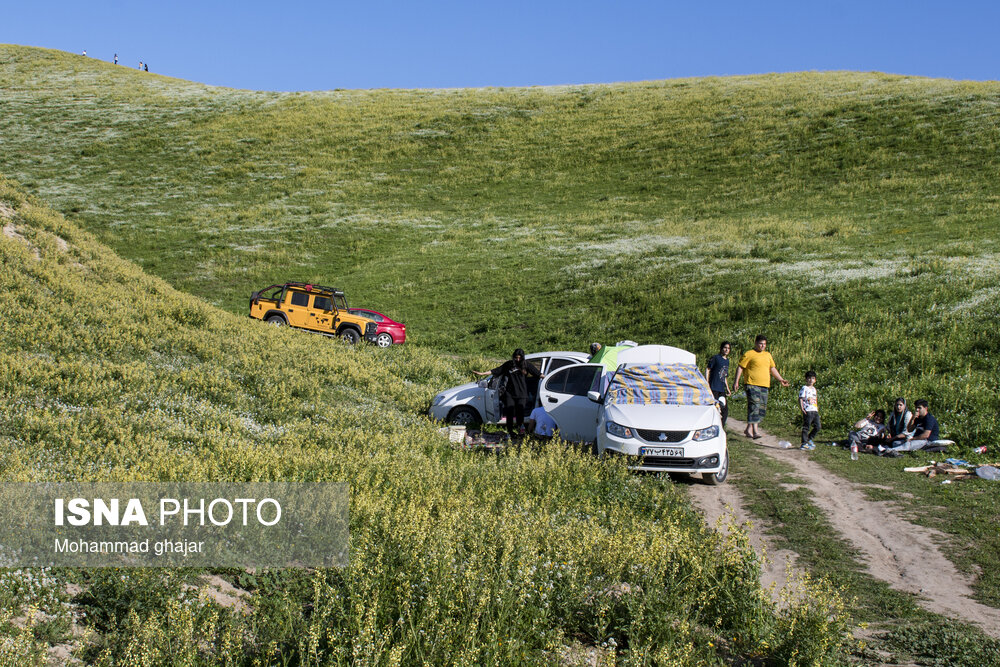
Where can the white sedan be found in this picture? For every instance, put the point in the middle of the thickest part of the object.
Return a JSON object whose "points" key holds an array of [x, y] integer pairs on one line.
{"points": [[479, 402]]}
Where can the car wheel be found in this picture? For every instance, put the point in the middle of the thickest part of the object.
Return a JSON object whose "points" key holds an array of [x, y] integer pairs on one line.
{"points": [[463, 415], [716, 478], [383, 340], [350, 336], [276, 320]]}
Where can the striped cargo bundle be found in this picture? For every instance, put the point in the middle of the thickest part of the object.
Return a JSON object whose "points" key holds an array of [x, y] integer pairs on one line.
{"points": [[675, 384]]}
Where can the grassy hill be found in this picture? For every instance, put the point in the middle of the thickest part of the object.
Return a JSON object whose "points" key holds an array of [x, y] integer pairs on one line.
{"points": [[110, 374], [849, 216]]}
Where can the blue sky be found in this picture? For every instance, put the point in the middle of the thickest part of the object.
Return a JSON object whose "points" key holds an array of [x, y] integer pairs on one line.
{"points": [[376, 44]]}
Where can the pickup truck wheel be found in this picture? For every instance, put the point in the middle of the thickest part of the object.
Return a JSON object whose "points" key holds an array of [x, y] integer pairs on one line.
{"points": [[716, 478], [383, 340], [276, 320], [463, 415], [350, 336]]}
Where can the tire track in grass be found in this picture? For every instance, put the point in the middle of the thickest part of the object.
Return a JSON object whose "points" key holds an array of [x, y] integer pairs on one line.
{"points": [[725, 500], [902, 554]]}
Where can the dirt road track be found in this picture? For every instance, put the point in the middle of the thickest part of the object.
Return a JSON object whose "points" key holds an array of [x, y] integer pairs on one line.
{"points": [[724, 500], [902, 554]]}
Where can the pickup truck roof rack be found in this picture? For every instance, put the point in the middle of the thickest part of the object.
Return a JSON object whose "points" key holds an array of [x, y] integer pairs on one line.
{"points": [[315, 288]]}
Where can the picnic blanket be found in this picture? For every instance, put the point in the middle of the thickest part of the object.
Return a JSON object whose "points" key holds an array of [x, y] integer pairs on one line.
{"points": [[676, 384], [475, 440]]}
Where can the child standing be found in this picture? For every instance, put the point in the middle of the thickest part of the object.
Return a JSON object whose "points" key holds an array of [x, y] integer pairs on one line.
{"points": [[809, 404]]}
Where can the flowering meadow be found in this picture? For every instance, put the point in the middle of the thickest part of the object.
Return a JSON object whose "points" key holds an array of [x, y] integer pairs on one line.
{"points": [[532, 557]]}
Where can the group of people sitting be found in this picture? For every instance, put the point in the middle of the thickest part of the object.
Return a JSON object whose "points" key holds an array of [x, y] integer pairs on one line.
{"points": [[903, 431]]}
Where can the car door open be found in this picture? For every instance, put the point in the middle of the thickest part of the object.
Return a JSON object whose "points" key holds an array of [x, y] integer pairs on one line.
{"points": [[491, 400], [563, 394]]}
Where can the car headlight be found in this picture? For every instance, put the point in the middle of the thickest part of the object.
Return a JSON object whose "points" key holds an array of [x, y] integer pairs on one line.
{"points": [[438, 399], [618, 430], [706, 433]]}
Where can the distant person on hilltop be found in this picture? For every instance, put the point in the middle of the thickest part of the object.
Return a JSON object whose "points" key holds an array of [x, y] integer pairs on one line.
{"points": [[759, 367], [85, 53], [140, 65], [717, 374], [116, 58], [145, 66]]}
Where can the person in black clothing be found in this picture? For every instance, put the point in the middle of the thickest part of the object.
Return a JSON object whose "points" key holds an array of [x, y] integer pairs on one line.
{"points": [[717, 375], [514, 394]]}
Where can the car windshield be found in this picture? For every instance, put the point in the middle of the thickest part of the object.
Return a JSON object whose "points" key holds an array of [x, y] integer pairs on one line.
{"points": [[647, 384], [340, 301]]}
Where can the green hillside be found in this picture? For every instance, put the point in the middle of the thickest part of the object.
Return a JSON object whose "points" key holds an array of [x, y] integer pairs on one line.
{"points": [[849, 216], [110, 374]]}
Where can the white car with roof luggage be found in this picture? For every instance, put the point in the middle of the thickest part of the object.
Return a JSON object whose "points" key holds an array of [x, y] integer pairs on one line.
{"points": [[655, 408]]}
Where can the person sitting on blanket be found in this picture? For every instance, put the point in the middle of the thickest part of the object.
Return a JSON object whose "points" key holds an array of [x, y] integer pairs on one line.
{"points": [[923, 431], [869, 430]]}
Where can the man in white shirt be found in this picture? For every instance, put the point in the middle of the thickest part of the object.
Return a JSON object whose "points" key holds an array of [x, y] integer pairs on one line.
{"points": [[540, 424]]}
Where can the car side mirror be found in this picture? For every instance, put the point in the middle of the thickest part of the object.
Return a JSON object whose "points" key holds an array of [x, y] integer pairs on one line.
{"points": [[595, 396], [483, 383]]}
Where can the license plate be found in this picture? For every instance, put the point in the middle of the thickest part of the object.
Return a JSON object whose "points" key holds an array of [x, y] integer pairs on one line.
{"points": [[673, 452]]}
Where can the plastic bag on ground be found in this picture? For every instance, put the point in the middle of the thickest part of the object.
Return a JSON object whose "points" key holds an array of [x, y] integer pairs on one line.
{"points": [[988, 472]]}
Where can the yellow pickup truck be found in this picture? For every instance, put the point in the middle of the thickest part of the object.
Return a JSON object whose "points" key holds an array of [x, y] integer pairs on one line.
{"points": [[312, 307]]}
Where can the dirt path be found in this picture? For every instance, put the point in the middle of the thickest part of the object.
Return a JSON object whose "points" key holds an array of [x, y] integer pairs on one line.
{"points": [[902, 554], [724, 500]]}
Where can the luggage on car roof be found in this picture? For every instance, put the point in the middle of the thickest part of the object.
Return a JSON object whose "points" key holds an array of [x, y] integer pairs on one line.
{"points": [[676, 384]]}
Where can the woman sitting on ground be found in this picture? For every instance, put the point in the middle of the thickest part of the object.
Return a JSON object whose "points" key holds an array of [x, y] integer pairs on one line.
{"points": [[897, 426], [869, 431]]}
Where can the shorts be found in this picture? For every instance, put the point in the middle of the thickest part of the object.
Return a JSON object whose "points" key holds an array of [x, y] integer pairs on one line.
{"points": [[756, 403]]}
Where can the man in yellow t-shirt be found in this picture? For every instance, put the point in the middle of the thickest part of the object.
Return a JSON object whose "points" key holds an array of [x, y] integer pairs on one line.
{"points": [[759, 367]]}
